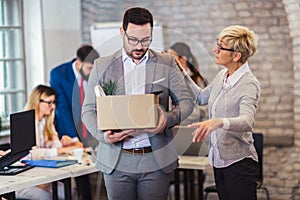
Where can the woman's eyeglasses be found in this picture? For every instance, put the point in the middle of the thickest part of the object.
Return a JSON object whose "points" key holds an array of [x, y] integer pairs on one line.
{"points": [[219, 48], [50, 103]]}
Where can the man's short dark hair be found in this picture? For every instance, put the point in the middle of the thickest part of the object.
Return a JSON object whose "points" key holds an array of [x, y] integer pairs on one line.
{"points": [[138, 16], [87, 53]]}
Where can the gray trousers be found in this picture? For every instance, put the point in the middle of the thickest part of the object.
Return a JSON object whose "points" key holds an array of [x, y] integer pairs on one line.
{"points": [[137, 177]]}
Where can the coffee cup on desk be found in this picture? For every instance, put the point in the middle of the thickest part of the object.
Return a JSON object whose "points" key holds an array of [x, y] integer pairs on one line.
{"points": [[78, 154]]}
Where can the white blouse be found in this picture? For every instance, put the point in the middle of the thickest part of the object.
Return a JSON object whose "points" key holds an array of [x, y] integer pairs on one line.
{"points": [[49, 148]]}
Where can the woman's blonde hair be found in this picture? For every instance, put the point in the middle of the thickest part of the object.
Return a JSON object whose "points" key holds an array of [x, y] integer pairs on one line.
{"points": [[38, 93], [240, 39]]}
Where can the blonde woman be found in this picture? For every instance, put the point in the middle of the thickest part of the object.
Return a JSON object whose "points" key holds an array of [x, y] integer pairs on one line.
{"points": [[42, 100], [232, 100]]}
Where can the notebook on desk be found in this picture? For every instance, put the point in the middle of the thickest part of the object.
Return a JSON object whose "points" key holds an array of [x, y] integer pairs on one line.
{"points": [[22, 138], [49, 163]]}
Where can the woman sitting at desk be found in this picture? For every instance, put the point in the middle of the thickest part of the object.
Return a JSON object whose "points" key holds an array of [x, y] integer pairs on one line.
{"points": [[185, 59], [42, 100], [183, 54]]}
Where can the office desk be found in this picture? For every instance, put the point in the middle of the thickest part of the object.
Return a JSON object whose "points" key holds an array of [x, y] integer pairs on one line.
{"points": [[29, 178], [188, 165], [41, 175], [193, 162], [73, 171], [80, 169]]}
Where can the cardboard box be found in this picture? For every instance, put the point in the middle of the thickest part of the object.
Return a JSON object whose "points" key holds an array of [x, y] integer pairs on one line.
{"points": [[127, 111]]}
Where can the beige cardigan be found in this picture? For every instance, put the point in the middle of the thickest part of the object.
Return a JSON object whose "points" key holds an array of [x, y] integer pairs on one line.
{"points": [[238, 105]]}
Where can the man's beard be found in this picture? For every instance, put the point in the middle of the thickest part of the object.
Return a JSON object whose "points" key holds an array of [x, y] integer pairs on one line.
{"points": [[132, 55], [85, 77]]}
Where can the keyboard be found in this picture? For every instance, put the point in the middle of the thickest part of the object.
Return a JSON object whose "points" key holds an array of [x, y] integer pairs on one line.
{"points": [[13, 170], [11, 158]]}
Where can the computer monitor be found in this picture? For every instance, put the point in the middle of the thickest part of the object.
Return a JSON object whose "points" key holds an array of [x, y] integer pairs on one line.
{"points": [[183, 140], [22, 137]]}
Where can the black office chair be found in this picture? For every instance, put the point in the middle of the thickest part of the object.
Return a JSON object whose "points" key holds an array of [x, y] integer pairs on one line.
{"points": [[258, 144]]}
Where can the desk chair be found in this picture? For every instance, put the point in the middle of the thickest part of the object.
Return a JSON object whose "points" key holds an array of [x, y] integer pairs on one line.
{"points": [[258, 144]]}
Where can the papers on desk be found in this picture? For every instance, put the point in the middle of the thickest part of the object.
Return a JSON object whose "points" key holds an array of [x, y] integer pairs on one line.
{"points": [[50, 163]]}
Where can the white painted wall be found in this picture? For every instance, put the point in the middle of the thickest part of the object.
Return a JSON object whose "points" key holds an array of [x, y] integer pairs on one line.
{"points": [[34, 50], [62, 31], [52, 36]]}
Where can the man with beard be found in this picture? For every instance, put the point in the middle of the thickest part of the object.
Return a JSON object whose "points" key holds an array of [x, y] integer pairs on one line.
{"points": [[69, 81], [137, 164]]}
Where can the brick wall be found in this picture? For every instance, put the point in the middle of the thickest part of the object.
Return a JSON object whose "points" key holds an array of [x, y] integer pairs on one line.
{"points": [[276, 65], [292, 158]]}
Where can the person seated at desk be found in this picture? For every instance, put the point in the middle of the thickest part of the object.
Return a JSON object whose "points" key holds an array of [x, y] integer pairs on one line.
{"points": [[42, 99], [186, 59], [183, 54]]}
